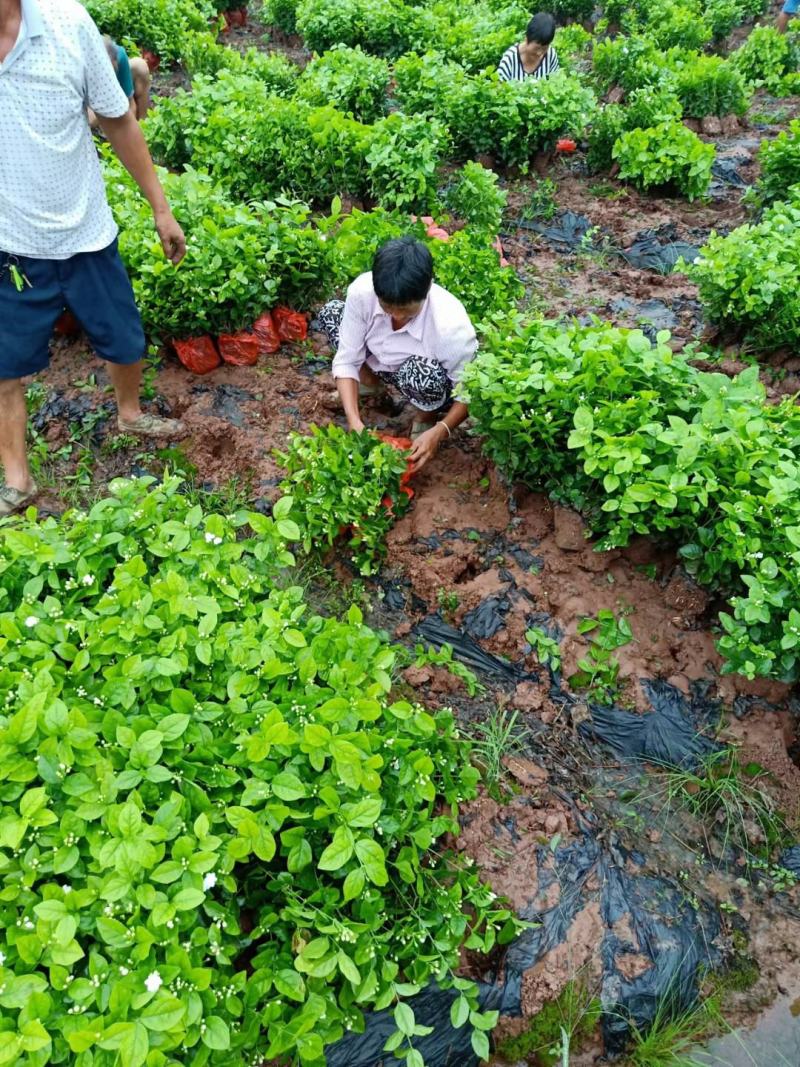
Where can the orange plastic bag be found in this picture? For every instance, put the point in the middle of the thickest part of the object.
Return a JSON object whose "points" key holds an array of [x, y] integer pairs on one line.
{"points": [[292, 325], [266, 331], [402, 444], [197, 354], [67, 325], [239, 349]]}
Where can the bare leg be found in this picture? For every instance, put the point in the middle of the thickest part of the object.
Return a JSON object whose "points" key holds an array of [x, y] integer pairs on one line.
{"points": [[142, 80], [127, 382], [783, 22], [12, 434]]}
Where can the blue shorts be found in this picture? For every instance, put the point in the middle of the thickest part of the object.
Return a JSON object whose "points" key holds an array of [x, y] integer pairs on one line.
{"points": [[791, 7], [95, 288]]}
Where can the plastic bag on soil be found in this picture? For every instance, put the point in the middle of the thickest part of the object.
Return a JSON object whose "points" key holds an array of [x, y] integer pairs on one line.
{"points": [[269, 340], [435, 631], [790, 860], [239, 349], [666, 735], [488, 618], [650, 252], [567, 230], [197, 354], [292, 325]]}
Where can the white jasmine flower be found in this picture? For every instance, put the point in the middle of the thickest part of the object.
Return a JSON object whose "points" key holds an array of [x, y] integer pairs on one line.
{"points": [[66, 889], [217, 540], [2, 958], [209, 881], [209, 538], [87, 579], [153, 982], [31, 620]]}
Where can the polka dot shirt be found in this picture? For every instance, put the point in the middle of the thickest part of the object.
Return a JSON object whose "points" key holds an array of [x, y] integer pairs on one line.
{"points": [[52, 198]]}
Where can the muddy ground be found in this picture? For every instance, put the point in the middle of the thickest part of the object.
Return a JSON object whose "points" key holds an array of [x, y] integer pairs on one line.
{"points": [[494, 559]]}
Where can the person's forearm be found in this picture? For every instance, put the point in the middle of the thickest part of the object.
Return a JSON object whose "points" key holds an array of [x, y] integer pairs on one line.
{"points": [[455, 416], [348, 391], [126, 138]]}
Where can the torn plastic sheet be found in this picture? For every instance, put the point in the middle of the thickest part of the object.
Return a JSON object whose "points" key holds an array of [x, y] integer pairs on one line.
{"points": [[790, 860], [642, 916], [435, 631], [568, 229], [666, 735], [488, 618], [653, 251]]}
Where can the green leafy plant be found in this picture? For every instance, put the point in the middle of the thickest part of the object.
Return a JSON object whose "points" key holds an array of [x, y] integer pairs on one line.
{"points": [[645, 107], [746, 279], [219, 832], [475, 198], [628, 61], [348, 79], [542, 203], [444, 657], [722, 16], [765, 58], [780, 165], [598, 670], [202, 54], [241, 259], [344, 482], [672, 24], [377, 26], [642, 442], [709, 85], [159, 25], [403, 158], [573, 1015], [674, 1034], [666, 154], [546, 647], [281, 14], [469, 266]]}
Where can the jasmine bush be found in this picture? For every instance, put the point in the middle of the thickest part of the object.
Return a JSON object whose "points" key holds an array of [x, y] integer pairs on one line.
{"points": [[642, 442], [220, 835]]}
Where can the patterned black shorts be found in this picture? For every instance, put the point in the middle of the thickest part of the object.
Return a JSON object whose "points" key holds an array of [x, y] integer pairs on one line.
{"points": [[423, 382]]}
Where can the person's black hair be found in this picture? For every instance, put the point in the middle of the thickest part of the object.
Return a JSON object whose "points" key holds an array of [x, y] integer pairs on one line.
{"points": [[402, 271], [541, 28]]}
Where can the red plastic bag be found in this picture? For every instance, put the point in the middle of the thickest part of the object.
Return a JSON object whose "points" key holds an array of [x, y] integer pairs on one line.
{"points": [[197, 354], [266, 331], [151, 59], [67, 325], [235, 18], [292, 325], [566, 144], [402, 444], [239, 349]]}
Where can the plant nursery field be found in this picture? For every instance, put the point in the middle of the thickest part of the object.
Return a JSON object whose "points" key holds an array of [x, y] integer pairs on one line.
{"points": [[309, 759]]}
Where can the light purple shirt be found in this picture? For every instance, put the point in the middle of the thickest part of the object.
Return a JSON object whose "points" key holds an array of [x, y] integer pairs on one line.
{"points": [[441, 332]]}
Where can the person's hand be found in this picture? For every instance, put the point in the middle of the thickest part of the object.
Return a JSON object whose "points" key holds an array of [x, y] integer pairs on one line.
{"points": [[172, 239], [426, 446], [357, 426]]}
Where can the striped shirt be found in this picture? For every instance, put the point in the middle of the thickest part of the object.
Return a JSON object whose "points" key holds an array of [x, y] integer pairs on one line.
{"points": [[441, 333], [512, 70]]}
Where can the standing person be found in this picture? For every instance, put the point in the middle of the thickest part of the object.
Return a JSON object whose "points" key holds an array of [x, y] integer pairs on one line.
{"points": [[397, 327], [789, 10], [535, 58], [58, 239]]}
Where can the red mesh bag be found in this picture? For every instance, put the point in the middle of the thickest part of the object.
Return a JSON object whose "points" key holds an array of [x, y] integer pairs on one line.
{"points": [[151, 59], [67, 325], [197, 354], [292, 325], [266, 331], [239, 349]]}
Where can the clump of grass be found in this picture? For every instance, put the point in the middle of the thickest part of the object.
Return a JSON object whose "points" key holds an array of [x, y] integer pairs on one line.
{"points": [[721, 793], [672, 1038], [498, 736], [563, 1025]]}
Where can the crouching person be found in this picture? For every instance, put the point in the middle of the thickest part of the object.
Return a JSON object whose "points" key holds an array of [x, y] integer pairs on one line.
{"points": [[398, 328]]}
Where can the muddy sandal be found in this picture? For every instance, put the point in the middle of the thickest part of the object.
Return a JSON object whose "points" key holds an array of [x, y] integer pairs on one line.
{"points": [[13, 500], [152, 426]]}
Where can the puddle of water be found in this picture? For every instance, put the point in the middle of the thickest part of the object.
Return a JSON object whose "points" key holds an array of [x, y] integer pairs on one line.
{"points": [[773, 1042]]}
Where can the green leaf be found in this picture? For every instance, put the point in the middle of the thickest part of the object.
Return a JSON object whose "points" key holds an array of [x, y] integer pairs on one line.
{"points": [[216, 1034], [459, 1012], [338, 852], [134, 1046], [290, 984], [480, 1044], [187, 899], [404, 1019], [163, 1013], [371, 856], [354, 884], [287, 786]]}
